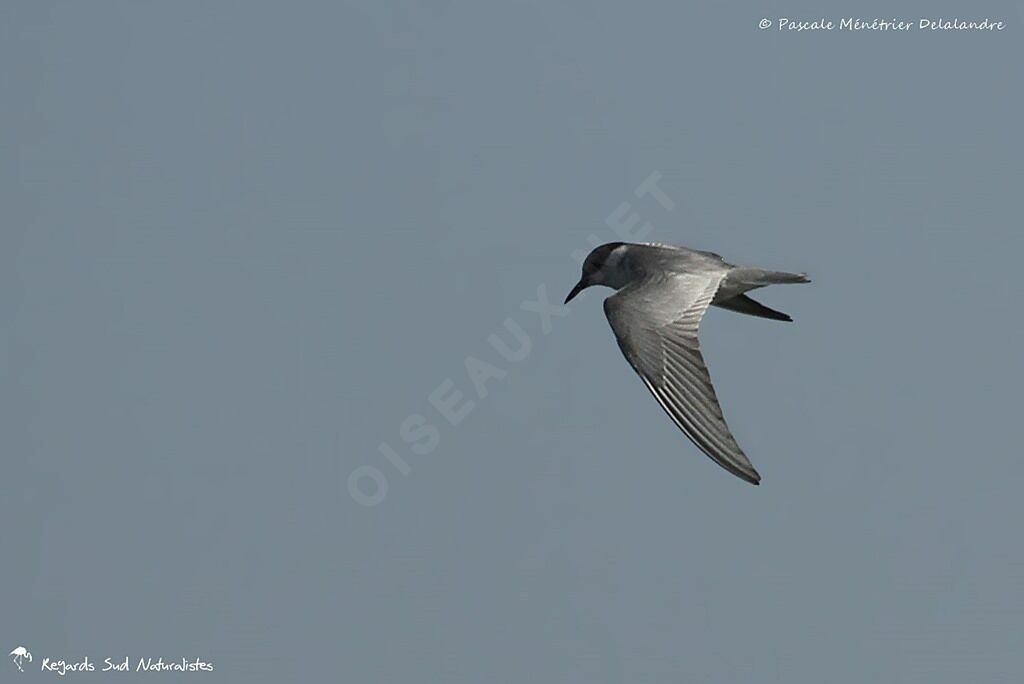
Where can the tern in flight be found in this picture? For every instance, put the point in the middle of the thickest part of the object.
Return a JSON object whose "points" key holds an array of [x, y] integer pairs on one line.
{"points": [[662, 294]]}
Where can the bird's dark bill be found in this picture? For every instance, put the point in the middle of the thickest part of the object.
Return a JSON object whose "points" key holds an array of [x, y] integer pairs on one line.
{"points": [[575, 291]]}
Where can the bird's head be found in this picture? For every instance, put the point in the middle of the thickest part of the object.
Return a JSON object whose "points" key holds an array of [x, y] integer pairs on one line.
{"points": [[596, 268]]}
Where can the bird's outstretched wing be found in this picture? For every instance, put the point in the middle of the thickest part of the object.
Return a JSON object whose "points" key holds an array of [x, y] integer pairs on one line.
{"points": [[655, 321]]}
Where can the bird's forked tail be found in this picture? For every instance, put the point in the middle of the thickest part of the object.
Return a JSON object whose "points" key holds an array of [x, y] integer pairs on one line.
{"points": [[762, 277]]}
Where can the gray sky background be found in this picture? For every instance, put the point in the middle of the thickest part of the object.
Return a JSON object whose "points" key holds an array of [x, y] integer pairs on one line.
{"points": [[242, 242]]}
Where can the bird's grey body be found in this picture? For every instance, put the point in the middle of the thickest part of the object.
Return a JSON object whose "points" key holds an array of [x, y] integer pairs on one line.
{"points": [[662, 294]]}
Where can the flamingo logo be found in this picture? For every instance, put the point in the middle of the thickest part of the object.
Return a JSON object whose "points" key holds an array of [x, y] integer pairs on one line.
{"points": [[20, 654]]}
